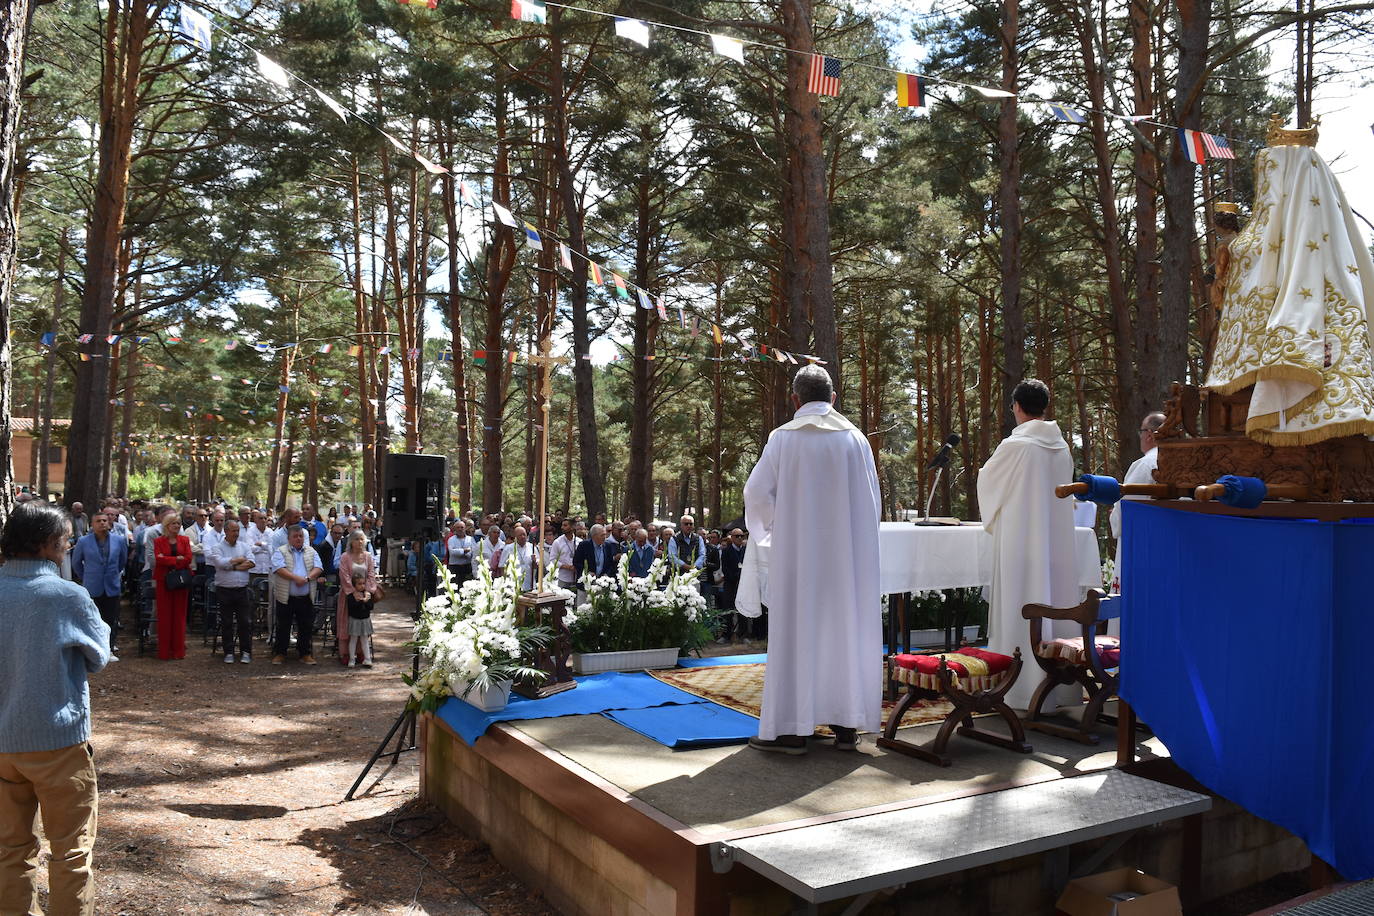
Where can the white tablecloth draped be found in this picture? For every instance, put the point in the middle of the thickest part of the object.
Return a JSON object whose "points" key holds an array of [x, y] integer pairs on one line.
{"points": [[919, 558]]}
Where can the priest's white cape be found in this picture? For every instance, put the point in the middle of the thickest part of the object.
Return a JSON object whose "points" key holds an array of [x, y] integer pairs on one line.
{"points": [[825, 641], [1033, 557], [1295, 316]]}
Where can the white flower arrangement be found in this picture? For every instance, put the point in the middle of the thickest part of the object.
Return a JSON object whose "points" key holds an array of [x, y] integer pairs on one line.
{"points": [[471, 637], [627, 612]]}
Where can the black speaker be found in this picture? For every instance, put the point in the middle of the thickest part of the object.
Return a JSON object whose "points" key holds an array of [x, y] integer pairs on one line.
{"points": [[416, 494]]}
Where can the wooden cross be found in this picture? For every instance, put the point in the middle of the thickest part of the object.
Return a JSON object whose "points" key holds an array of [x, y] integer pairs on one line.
{"points": [[539, 602], [545, 362]]}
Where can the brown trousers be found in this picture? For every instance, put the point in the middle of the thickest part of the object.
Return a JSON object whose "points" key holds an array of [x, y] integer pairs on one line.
{"points": [[61, 786]]}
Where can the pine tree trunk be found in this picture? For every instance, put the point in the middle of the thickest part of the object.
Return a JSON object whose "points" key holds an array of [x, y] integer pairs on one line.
{"points": [[126, 30], [59, 297], [589, 455], [457, 343], [1009, 210], [363, 340], [809, 290], [642, 369], [1150, 385], [126, 425], [14, 28], [1180, 246], [717, 407]]}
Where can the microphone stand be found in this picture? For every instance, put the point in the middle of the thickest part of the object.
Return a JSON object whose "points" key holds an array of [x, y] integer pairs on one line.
{"points": [[931, 496]]}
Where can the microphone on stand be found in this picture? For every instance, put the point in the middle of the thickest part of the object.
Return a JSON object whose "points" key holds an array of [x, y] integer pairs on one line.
{"points": [[938, 464], [941, 458]]}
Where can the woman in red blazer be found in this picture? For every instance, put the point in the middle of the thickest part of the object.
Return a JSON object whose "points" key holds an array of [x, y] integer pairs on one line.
{"points": [[171, 551]]}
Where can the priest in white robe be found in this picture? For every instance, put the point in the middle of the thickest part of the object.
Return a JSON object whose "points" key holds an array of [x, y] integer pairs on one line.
{"points": [[825, 644], [1142, 470], [1033, 557]]}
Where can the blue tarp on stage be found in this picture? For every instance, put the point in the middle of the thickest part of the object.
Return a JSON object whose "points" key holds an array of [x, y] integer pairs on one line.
{"points": [[595, 694], [1245, 647], [703, 724]]}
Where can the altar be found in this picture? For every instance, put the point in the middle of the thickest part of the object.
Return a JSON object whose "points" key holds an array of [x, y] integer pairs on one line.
{"points": [[916, 558]]}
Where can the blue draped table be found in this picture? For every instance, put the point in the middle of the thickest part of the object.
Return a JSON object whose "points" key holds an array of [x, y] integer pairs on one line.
{"points": [[1245, 642]]}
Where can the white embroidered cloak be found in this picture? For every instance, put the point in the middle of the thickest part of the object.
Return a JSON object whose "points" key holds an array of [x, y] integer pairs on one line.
{"points": [[813, 500]]}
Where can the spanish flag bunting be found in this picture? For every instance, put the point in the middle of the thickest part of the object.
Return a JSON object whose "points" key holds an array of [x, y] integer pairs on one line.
{"points": [[528, 10], [355, 350], [431, 4], [596, 273], [715, 334], [911, 91]]}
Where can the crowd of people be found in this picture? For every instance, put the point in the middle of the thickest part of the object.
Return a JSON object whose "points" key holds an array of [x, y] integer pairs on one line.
{"points": [[155, 552], [574, 550]]}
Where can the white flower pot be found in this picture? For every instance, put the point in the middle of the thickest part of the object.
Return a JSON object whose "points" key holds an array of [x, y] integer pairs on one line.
{"points": [[491, 699], [632, 660]]}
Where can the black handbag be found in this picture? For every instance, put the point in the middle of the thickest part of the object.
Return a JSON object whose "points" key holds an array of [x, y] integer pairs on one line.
{"points": [[176, 579]]}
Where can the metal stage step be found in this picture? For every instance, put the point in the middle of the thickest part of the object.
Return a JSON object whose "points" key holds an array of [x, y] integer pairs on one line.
{"points": [[866, 854], [1356, 900]]}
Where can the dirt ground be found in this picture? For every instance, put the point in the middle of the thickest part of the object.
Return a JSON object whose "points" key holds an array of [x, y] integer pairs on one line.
{"points": [[221, 792]]}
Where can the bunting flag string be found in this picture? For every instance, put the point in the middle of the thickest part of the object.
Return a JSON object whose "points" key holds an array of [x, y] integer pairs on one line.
{"points": [[824, 78]]}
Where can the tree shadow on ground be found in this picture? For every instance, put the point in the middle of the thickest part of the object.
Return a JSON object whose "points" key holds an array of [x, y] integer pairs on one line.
{"points": [[450, 872]]}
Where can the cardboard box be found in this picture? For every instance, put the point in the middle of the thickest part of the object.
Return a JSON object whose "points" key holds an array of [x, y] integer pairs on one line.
{"points": [[1123, 892]]}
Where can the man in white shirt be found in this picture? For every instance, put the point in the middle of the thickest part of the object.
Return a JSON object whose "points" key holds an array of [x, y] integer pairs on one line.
{"points": [[461, 550], [490, 545], [295, 570], [232, 558], [1033, 556], [259, 538], [561, 556], [521, 548], [289, 518], [213, 534], [1142, 470], [687, 550]]}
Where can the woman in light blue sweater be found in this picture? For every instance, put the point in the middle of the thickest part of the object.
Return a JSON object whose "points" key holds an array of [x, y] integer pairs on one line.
{"points": [[51, 637]]}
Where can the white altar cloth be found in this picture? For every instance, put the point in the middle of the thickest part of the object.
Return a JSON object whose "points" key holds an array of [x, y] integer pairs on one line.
{"points": [[920, 558]]}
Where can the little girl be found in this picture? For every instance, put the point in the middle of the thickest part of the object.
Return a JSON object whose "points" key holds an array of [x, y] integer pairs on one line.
{"points": [[360, 622]]}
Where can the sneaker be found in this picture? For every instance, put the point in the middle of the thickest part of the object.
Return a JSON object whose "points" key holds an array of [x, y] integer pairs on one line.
{"points": [[367, 663], [114, 658], [793, 745], [245, 658], [846, 739], [229, 658], [350, 664], [309, 660], [279, 659]]}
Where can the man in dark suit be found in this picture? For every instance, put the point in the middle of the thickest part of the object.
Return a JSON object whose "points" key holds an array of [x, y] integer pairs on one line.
{"points": [[731, 560], [595, 556]]}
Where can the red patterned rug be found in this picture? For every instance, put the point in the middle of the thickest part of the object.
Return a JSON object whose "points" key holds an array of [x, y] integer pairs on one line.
{"points": [[740, 687]]}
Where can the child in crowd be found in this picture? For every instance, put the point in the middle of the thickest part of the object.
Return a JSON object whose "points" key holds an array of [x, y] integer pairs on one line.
{"points": [[360, 622]]}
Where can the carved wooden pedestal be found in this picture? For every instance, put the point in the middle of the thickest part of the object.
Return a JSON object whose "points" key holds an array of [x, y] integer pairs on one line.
{"points": [[546, 609], [1333, 471]]}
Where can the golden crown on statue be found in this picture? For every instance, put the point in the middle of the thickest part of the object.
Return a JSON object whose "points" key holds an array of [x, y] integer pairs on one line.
{"points": [[1282, 136]]}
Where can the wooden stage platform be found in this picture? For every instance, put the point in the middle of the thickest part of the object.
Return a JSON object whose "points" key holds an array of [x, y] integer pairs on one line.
{"points": [[605, 821]]}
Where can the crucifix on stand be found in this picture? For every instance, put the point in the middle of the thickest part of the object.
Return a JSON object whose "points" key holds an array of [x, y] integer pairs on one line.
{"points": [[541, 605]]}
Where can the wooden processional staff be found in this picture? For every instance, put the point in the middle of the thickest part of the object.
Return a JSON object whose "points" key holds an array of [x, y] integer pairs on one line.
{"points": [[540, 604]]}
